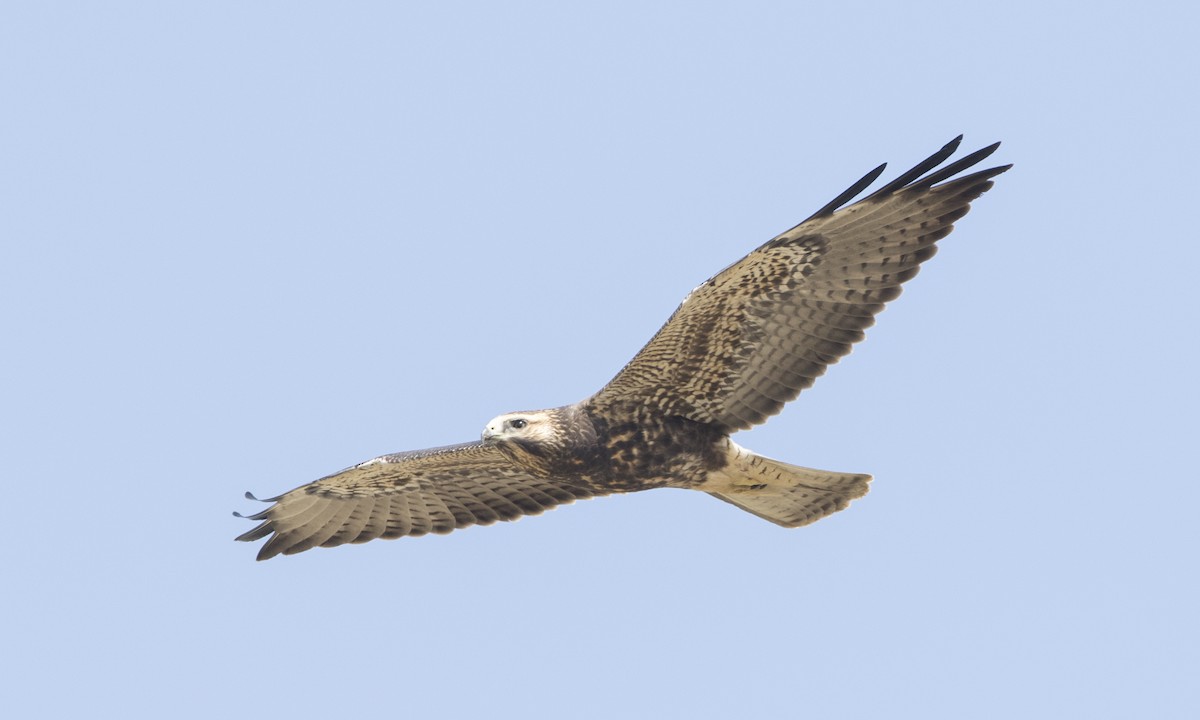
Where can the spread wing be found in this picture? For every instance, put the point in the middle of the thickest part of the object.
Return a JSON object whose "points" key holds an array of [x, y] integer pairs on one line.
{"points": [[436, 490], [753, 336]]}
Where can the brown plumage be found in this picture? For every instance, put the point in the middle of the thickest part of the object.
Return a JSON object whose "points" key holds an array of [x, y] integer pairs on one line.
{"points": [[740, 345]]}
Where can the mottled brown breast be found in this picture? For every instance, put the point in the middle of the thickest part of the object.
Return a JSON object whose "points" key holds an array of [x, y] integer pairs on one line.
{"points": [[642, 449]]}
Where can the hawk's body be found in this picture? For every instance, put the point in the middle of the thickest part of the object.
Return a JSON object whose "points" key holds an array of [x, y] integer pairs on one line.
{"points": [[740, 346]]}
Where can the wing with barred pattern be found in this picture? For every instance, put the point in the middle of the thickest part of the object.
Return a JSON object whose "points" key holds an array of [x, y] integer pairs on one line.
{"points": [[756, 334], [414, 493]]}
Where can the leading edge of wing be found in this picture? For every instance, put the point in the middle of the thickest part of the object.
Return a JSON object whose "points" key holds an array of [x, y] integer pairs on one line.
{"points": [[390, 458]]}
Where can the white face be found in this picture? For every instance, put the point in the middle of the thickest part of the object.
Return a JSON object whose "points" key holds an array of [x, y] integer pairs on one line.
{"points": [[536, 425]]}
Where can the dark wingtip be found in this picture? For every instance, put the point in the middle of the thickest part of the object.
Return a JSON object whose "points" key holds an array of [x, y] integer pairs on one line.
{"points": [[918, 170], [848, 194], [912, 180], [255, 516], [952, 169], [270, 549], [951, 147]]}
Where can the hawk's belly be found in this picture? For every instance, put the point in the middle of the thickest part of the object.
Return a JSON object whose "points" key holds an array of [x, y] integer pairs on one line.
{"points": [[659, 452]]}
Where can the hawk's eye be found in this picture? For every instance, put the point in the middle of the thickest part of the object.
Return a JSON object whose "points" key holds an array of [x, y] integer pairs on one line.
{"points": [[517, 424]]}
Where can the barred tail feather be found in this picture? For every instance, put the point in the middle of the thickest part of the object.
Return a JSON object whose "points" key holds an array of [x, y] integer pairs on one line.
{"points": [[787, 495]]}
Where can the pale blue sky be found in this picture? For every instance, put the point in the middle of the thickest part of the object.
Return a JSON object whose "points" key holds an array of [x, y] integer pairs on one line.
{"points": [[247, 244]]}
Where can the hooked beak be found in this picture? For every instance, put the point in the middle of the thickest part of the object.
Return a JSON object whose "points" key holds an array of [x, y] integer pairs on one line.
{"points": [[490, 432]]}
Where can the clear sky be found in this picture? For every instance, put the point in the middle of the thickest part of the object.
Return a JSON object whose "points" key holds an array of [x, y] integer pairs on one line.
{"points": [[247, 244]]}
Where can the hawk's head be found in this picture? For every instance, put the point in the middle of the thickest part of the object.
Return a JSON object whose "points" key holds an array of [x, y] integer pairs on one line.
{"points": [[533, 427], [535, 440]]}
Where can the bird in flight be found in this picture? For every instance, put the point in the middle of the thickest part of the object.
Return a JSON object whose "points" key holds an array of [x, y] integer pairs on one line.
{"points": [[742, 344]]}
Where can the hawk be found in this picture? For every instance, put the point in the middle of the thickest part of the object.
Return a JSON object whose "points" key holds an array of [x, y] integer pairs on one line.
{"points": [[740, 345]]}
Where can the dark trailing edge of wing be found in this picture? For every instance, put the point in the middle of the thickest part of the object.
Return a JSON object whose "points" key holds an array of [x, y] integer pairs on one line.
{"points": [[912, 179]]}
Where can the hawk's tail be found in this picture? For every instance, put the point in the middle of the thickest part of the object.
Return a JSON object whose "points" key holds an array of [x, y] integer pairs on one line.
{"points": [[787, 495]]}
